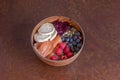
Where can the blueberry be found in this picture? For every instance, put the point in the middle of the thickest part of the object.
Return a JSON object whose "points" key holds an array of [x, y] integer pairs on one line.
{"points": [[70, 44], [77, 49], [78, 40], [74, 43], [79, 45], [72, 48], [63, 39], [75, 37], [71, 40], [78, 33], [66, 39]]}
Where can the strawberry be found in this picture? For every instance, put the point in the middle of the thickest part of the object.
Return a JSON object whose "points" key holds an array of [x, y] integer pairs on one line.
{"points": [[54, 57], [63, 57], [62, 45], [66, 50], [59, 51]]}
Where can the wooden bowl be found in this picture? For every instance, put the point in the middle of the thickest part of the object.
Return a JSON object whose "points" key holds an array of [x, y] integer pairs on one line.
{"points": [[51, 19]]}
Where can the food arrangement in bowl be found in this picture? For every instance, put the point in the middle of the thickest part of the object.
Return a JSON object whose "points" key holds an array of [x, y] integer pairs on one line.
{"points": [[57, 40]]}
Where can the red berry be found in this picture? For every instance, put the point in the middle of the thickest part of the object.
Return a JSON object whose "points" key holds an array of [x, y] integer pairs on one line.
{"points": [[54, 57], [80, 37], [63, 57], [69, 54], [62, 45], [59, 51], [66, 50]]}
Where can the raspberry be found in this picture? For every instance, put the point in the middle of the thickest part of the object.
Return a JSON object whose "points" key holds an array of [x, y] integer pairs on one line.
{"points": [[63, 57], [54, 57], [59, 51], [66, 50], [80, 37], [62, 45], [69, 54]]}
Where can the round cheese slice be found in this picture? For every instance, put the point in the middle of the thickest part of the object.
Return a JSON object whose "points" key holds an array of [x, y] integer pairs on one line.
{"points": [[53, 35], [46, 29], [41, 38]]}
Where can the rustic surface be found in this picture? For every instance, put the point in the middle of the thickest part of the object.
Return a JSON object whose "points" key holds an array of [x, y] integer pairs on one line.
{"points": [[100, 58]]}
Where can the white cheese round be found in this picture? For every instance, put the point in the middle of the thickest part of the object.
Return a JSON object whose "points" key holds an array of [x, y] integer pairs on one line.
{"points": [[53, 35], [46, 29], [41, 38]]}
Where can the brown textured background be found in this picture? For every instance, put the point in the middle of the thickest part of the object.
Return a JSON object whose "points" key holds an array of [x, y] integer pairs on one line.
{"points": [[100, 58]]}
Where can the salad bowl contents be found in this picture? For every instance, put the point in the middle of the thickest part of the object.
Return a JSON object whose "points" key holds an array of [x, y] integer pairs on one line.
{"points": [[57, 40]]}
